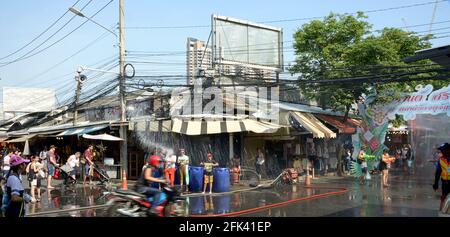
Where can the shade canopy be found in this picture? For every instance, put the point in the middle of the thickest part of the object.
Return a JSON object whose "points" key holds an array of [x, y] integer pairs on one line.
{"points": [[313, 125], [84, 130], [103, 137]]}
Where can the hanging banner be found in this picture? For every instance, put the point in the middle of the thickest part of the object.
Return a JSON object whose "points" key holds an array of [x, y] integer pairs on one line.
{"points": [[423, 101], [375, 118]]}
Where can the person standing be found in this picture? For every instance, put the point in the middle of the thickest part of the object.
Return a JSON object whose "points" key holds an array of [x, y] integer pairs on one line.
{"points": [[6, 165], [33, 170], [326, 158], [169, 171], [398, 157], [209, 164], [235, 169], [404, 157], [183, 161], [312, 157], [51, 166], [260, 163], [443, 172], [385, 165], [363, 163], [410, 160], [89, 166], [43, 153], [16, 197]]}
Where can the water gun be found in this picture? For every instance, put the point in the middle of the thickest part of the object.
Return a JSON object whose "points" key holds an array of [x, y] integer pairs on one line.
{"points": [[368, 157]]}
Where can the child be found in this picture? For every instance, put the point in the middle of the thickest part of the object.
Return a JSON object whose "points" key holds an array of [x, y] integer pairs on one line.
{"points": [[208, 177]]}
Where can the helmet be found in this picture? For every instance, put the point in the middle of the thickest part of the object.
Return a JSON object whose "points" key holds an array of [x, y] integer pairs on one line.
{"points": [[444, 147], [155, 161]]}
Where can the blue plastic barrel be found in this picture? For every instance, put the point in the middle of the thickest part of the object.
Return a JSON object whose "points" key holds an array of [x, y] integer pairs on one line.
{"points": [[195, 179], [221, 180], [196, 205], [222, 204]]}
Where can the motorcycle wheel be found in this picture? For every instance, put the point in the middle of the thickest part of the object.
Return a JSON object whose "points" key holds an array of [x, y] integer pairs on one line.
{"points": [[116, 204]]}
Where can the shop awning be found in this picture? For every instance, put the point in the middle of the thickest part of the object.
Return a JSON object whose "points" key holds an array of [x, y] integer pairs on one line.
{"points": [[217, 127], [22, 138], [312, 124], [151, 126], [346, 127], [80, 131], [103, 137]]}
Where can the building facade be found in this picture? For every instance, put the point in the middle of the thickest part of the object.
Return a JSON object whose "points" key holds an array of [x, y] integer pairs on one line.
{"points": [[198, 56]]}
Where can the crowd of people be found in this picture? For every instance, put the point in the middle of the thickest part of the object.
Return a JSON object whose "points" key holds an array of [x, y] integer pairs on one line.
{"points": [[37, 168]]}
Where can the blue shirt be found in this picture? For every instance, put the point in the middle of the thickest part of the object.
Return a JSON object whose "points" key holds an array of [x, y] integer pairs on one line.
{"points": [[15, 184]]}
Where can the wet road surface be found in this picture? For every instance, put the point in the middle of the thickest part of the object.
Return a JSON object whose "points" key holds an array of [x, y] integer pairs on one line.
{"points": [[407, 196]]}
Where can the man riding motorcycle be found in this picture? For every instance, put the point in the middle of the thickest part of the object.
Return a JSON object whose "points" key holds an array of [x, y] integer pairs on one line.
{"points": [[144, 184]]}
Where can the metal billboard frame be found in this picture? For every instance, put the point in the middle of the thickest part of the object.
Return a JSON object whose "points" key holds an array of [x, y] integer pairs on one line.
{"points": [[216, 55]]}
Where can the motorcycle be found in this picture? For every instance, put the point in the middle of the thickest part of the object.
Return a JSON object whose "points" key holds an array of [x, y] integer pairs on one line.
{"points": [[133, 204]]}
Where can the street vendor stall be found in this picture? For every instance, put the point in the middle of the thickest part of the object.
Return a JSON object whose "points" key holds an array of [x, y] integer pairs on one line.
{"points": [[112, 170]]}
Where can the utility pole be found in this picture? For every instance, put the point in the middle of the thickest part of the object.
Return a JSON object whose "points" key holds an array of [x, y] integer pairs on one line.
{"points": [[77, 97], [122, 100]]}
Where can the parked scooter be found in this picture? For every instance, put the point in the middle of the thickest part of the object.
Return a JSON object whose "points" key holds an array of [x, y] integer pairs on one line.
{"points": [[133, 204]]}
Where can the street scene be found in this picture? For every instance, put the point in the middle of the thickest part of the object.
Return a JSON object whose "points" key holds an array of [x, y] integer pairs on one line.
{"points": [[117, 108]]}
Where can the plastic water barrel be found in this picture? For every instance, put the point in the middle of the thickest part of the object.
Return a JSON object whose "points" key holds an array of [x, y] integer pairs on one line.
{"points": [[196, 205], [221, 180], [195, 179], [222, 204]]}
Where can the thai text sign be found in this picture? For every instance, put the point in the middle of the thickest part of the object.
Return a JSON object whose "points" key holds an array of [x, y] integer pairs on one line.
{"points": [[423, 101]]}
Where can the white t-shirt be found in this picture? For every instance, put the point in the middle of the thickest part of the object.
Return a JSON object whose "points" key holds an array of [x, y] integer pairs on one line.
{"points": [[183, 159], [170, 161], [6, 163], [73, 161]]}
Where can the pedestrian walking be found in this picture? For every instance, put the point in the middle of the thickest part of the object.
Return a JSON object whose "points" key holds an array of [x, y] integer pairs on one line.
{"points": [[443, 172]]}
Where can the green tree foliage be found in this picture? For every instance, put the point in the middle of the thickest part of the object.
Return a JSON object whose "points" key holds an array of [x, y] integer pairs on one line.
{"points": [[341, 46]]}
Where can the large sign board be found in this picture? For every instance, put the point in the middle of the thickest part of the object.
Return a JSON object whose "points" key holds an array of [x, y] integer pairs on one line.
{"points": [[248, 44], [22, 100], [423, 101]]}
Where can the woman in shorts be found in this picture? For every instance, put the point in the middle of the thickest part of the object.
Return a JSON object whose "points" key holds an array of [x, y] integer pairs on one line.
{"points": [[34, 174]]}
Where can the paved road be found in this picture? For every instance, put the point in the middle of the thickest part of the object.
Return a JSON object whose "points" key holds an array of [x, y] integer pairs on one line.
{"points": [[407, 196]]}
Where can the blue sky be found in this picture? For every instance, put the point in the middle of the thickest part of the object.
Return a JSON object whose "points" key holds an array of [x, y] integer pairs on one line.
{"points": [[22, 20]]}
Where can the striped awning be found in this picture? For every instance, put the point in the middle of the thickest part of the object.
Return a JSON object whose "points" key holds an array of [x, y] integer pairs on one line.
{"points": [[312, 124], [198, 127], [80, 131], [152, 126]]}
